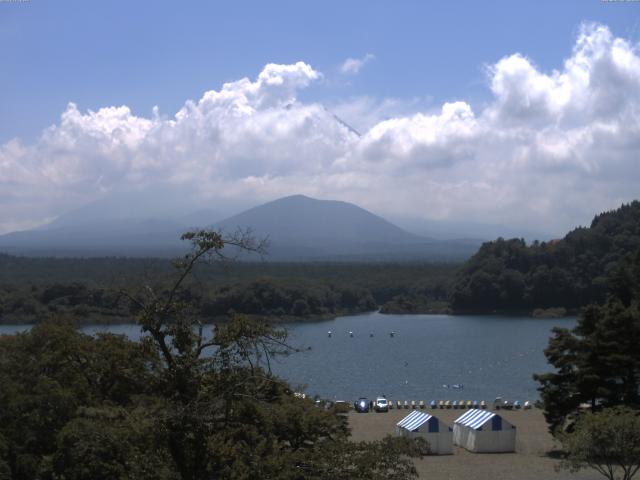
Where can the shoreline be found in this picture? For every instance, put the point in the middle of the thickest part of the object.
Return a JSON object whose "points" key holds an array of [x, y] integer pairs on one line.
{"points": [[308, 319]]}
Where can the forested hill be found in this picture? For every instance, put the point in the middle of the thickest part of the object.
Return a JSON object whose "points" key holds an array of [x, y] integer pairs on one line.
{"points": [[508, 275]]}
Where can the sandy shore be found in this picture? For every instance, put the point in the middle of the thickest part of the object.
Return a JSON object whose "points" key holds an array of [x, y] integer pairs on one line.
{"points": [[530, 461]]}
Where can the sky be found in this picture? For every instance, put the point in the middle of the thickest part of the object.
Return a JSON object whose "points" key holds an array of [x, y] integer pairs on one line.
{"points": [[518, 113]]}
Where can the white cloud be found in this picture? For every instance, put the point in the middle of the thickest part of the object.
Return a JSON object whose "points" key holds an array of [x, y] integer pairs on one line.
{"points": [[549, 149], [352, 66]]}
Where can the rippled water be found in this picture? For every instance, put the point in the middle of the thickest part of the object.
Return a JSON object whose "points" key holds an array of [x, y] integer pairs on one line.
{"points": [[489, 355]]}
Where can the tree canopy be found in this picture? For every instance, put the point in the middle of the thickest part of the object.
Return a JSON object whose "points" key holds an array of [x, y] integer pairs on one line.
{"points": [[189, 401], [509, 275], [598, 362], [607, 441]]}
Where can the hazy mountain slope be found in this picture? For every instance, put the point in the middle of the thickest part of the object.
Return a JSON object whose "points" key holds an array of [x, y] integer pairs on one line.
{"points": [[303, 219], [299, 228]]}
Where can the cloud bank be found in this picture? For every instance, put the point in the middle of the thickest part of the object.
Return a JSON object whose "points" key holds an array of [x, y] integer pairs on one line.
{"points": [[547, 151]]}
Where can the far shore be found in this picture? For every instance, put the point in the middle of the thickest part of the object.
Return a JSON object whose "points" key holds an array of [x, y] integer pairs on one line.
{"points": [[97, 320]]}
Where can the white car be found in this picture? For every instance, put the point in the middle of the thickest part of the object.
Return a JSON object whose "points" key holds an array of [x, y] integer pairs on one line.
{"points": [[381, 405]]}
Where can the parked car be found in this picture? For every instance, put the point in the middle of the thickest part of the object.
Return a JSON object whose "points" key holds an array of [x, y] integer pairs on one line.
{"points": [[381, 405], [361, 405]]}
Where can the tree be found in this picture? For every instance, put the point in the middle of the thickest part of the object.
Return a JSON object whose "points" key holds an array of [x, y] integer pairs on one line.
{"points": [[188, 401], [226, 415], [607, 441], [598, 362]]}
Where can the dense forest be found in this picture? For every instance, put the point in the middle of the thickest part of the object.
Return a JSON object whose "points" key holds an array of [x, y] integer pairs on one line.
{"points": [[184, 403], [509, 275], [91, 289], [504, 276]]}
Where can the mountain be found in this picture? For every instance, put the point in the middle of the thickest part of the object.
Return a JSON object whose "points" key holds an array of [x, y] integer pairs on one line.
{"points": [[298, 227], [303, 228], [108, 237]]}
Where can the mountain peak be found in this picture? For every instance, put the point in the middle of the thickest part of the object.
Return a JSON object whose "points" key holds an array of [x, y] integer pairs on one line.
{"points": [[299, 227]]}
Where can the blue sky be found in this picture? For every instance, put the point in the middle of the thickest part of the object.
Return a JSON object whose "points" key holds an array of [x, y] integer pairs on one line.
{"points": [[502, 112], [143, 54]]}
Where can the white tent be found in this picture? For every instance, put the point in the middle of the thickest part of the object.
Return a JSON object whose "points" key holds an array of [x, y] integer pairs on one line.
{"points": [[438, 434], [483, 431]]}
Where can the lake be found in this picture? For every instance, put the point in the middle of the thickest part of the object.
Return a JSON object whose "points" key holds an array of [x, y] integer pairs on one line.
{"points": [[488, 355]]}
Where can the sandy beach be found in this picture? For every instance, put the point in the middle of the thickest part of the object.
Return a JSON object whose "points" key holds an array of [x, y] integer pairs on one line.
{"points": [[530, 461]]}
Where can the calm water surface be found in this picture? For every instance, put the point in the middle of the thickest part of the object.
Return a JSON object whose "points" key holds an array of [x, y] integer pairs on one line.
{"points": [[489, 355]]}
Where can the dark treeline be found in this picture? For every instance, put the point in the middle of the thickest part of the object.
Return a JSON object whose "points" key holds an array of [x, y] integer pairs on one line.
{"points": [[504, 276], [89, 289], [508, 275]]}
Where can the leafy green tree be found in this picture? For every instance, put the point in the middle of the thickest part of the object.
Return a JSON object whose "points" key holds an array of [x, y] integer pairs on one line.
{"points": [[227, 416], [111, 442], [188, 401], [598, 362], [508, 275], [607, 441], [49, 373]]}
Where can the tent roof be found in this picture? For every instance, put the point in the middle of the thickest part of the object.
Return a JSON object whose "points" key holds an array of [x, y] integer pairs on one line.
{"points": [[414, 420], [475, 418]]}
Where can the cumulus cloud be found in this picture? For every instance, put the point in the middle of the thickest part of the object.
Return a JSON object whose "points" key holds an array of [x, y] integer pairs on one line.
{"points": [[548, 149], [352, 66]]}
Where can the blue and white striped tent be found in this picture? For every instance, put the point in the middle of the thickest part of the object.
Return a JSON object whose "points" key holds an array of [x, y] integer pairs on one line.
{"points": [[484, 431], [438, 434]]}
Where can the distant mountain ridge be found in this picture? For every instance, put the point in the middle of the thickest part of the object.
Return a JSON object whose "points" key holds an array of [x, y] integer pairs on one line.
{"points": [[303, 228], [302, 218], [299, 228]]}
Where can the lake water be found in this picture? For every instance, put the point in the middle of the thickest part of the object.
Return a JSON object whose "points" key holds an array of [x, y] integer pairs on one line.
{"points": [[489, 355]]}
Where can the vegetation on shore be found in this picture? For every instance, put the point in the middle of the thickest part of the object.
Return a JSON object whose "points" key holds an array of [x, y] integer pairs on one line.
{"points": [[592, 399], [186, 402], [544, 279], [597, 363], [89, 289], [606, 441], [511, 276]]}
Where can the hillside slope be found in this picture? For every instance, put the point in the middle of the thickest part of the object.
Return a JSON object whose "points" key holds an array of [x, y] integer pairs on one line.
{"points": [[509, 275]]}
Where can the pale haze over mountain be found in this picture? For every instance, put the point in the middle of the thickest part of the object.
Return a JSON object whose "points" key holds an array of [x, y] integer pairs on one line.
{"points": [[298, 228]]}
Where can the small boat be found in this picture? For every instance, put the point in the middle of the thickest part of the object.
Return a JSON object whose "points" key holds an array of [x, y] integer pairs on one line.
{"points": [[441, 404], [517, 405], [413, 404], [447, 404], [469, 404], [433, 404], [406, 404], [392, 333], [399, 404], [445, 386], [350, 334], [421, 403], [475, 404], [527, 405], [371, 334], [329, 333], [455, 404], [483, 404], [457, 386]]}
